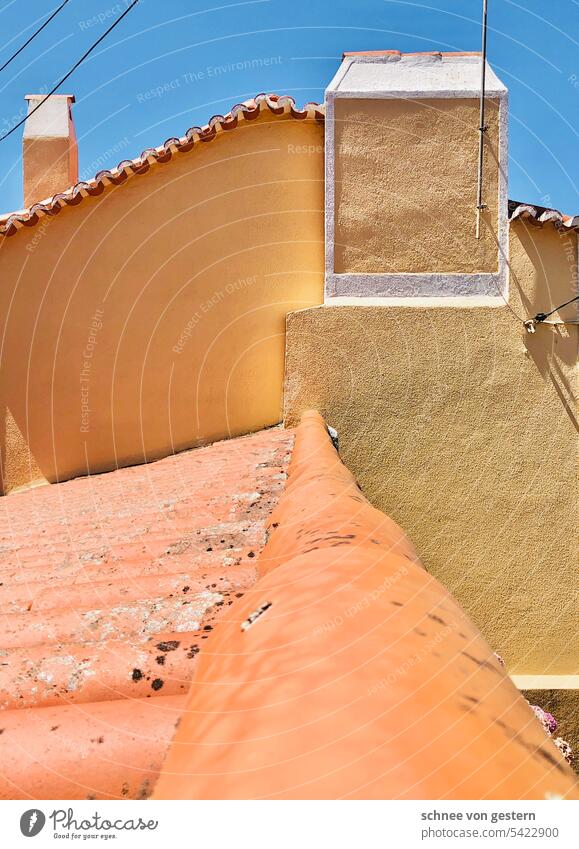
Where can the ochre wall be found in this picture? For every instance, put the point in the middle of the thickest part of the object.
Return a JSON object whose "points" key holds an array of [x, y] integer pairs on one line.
{"points": [[460, 425], [406, 179], [151, 318]]}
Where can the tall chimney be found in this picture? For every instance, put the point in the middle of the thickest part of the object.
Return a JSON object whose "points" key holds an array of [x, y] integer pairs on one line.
{"points": [[402, 147], [49, 150]]}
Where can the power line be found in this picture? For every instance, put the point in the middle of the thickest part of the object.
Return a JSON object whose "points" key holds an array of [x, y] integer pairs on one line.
{"points": [[33, 36], [541, 317], [482, 127], [72, 70]]}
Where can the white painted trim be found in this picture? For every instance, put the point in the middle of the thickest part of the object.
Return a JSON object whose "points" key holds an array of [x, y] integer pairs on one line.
{"points": [[453, 74], [546, 682], [414, 285], [330, 186], [400, 285], [465, 302]]}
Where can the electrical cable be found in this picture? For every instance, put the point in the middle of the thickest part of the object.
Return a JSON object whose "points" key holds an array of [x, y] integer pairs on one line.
{"points": [[72, 70], [541, 317]]}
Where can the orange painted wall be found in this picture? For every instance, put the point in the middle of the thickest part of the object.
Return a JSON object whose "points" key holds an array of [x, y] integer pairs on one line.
{"points": [[152, 318]]}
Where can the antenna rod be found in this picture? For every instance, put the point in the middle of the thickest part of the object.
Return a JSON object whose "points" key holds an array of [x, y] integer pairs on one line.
{"points": [[482, 126]]}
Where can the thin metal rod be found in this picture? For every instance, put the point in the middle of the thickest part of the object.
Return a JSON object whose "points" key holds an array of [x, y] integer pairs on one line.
{"points": [[482, 126]]}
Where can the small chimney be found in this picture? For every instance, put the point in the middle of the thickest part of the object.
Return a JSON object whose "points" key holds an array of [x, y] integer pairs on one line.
{"points": [[49, 150]]}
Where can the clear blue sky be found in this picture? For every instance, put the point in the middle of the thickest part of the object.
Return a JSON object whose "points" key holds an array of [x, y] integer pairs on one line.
{"points": [[187, 48]]}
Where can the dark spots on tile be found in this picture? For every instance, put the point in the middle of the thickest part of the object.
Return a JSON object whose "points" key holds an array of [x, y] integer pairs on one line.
{"points": [[168, 645], [186, 589], [145, 789], [157, 684], [397, 603], [161, 658], [251, 553], [486, 664], [137, 675], [550, 758]]}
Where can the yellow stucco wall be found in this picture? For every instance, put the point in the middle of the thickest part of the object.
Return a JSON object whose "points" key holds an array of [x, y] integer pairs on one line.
{"points": [[460, 425], [406, 178], [151, 318]]}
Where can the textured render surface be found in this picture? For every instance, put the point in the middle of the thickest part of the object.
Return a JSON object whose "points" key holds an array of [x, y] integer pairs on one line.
{"points": [[109, 587], [151, 318], [351, 672], [461, 426], [406, 173]]}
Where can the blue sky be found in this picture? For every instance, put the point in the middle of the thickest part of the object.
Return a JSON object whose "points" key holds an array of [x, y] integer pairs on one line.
{"points": [[172, 64]]}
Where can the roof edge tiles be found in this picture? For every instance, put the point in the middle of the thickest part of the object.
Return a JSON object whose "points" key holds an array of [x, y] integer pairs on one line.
{"points": [[278, 105], [351, 672], [539, 215]]}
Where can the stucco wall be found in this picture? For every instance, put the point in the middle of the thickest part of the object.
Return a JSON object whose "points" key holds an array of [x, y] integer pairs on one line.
{"points": [[151, 318], [460, 425], [406, 178]]}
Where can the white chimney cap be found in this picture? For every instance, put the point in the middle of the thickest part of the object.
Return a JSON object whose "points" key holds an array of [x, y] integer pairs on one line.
{"points": [[393, 74], [52, 119]]}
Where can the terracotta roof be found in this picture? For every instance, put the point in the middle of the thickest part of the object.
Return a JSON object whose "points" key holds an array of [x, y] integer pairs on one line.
{"points": [[116, 583], [350, 672], [278, 105], [539, 215], [109, 588], [275, 104]]}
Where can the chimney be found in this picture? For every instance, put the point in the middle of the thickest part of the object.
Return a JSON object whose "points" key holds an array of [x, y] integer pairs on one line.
{"points": [[402, 143], [49, 151]]}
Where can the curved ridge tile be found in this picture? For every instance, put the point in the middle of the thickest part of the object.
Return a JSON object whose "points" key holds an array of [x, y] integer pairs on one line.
{"points": [[350, 672]]}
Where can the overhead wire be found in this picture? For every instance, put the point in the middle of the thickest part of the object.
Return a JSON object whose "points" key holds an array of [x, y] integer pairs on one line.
{"points": [[541, 317], [71, 71], [33, 36]]}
